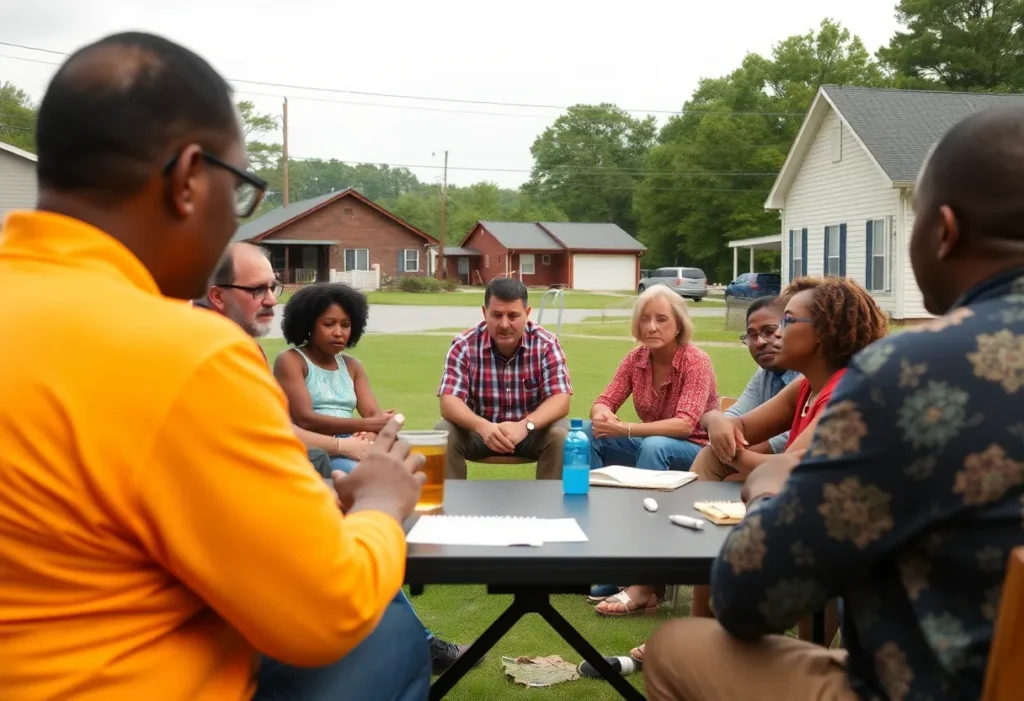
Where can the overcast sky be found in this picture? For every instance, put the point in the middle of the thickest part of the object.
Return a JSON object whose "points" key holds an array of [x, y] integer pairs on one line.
{"points": [[641, 55]]}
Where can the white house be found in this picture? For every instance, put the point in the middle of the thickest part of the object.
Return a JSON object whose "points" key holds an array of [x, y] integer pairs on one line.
{"points": [[17, 179], [844, 191]]}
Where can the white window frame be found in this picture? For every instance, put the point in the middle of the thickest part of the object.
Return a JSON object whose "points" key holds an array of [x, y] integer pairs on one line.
{"points": [[527, 264], [880, 234], [834, 252], [405, 260], [798, 255], [355, 258]]}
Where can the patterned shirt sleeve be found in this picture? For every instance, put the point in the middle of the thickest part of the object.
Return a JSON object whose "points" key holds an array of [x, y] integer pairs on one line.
{"points": [[555, 371], [700, 385], [846, 507], [621, 386], [751, 397], [455, 380]]}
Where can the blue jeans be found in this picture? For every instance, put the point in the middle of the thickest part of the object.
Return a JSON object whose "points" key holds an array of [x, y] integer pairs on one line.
{"points": [[651, 453], [392, 664]]}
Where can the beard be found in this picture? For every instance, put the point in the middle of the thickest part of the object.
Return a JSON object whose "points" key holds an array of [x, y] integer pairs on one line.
{"points": [[257, 327]]}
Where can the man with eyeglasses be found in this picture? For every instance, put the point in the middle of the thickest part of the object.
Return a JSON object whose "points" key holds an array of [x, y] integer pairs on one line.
{"points": [[763, 317], [162, 535]]}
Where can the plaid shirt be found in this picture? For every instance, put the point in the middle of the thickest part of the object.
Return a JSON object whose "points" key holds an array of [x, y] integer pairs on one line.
{"points": [[500, 389], [688, 392]]}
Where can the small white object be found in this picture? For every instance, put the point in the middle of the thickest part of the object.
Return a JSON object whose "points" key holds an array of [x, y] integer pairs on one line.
{"points": [[687, 522], [650, 504]]}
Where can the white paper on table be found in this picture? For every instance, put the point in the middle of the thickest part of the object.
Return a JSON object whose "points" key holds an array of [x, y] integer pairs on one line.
{"points": [[494, 531]]}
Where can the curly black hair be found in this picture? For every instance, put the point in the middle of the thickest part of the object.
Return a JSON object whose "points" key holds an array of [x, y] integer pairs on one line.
{"points": [[305, 307], [846, 317]]}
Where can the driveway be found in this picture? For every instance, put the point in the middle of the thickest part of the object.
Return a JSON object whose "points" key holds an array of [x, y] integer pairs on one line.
{"points": [[395, 318]]}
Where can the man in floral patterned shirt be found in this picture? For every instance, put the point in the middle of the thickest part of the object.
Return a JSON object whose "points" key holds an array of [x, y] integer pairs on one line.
{"points": [[909, 499]]}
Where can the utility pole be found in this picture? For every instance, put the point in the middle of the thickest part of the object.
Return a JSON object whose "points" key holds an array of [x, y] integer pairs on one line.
{"points": [[284, 151], [444, 222]]}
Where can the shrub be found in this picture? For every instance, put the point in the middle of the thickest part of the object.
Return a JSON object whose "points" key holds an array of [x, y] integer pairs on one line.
{"points": [[418, 283], [451, 283]]}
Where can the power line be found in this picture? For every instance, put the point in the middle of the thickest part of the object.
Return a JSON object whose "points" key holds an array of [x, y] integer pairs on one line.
{"points": [[570, 170], [367, 93]]}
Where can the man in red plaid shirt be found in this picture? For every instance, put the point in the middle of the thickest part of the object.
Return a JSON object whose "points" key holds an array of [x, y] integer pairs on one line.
{"points": [[505, 389]]}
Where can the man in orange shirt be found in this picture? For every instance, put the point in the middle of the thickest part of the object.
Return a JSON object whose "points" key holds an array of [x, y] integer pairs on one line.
{"points": [[159, 522]]}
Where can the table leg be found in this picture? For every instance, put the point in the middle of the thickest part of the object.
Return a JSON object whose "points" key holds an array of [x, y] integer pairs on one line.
{"points": [[818, 629], [524, 602]]}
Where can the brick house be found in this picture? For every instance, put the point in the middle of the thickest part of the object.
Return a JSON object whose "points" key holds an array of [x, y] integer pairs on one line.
{"points": [[583, 256], [341, 232]]}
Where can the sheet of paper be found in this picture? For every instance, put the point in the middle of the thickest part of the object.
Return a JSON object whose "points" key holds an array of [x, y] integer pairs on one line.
{"points": [[499, 531]]}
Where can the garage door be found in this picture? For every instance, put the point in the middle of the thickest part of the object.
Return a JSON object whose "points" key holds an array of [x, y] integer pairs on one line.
{"points": [[603, 272]]}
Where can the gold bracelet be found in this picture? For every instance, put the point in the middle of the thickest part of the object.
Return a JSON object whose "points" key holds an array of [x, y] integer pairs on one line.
{"points": [[629, 430], [337, 446]]}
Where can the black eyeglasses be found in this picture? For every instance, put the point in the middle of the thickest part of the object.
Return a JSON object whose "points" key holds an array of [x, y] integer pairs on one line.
{"points": [[765, 335], [249, 191], [787, 320], [259, 291]]}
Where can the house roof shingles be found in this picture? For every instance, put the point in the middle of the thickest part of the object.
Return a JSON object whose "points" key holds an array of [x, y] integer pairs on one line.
{"points": [[899, 127], [560, 236], [521, 236], [276, 217], [593, 237]]}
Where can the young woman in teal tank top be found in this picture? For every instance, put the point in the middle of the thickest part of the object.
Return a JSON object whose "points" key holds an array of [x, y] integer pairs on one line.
{"points": [[325, 387]]}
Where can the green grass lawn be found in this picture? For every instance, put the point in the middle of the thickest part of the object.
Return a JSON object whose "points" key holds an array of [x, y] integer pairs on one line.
{"points": [[705, 329], [573, 299], [404, 371]]}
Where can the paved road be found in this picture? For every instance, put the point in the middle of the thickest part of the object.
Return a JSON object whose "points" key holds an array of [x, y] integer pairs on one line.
{"points": [[394, 318]]}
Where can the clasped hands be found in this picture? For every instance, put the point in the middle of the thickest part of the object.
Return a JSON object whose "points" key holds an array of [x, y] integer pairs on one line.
{"points": [[505, 436], [768, 478], [605, 424]]}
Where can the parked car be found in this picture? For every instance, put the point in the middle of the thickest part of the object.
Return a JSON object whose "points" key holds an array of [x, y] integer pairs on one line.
{"points": [[687, 282], [751, 285]]}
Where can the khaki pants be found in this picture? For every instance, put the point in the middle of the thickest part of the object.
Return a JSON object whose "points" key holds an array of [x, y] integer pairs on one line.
{"points": [[696, 660], [543, 445], [707, 467]]}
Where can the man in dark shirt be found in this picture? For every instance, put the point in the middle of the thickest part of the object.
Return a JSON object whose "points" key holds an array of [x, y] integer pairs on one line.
{"points": [[909, 499]]}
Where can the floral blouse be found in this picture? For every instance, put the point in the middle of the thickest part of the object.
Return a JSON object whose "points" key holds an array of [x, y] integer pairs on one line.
{"points": [[907, 505]]}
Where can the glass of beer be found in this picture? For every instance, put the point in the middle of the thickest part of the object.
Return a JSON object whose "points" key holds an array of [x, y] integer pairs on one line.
{"points": [[433, 445]]}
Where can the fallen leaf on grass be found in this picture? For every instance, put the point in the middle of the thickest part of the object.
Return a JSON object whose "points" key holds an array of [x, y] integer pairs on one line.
{"points": [[539, 671]]}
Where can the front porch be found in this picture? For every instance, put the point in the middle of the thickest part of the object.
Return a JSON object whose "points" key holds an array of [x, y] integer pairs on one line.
{"points": [[759, 243], [300, 262]]}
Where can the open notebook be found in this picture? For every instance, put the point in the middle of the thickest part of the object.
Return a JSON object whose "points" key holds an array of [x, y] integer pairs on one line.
{"points": [[494, 530], [631, 477]]}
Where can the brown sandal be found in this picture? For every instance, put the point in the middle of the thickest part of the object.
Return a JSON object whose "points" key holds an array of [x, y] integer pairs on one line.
{"points": [[637, 653], [632, 608]]}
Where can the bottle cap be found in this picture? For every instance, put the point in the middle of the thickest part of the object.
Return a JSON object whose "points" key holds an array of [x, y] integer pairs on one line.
{"points": [[576, 423]]}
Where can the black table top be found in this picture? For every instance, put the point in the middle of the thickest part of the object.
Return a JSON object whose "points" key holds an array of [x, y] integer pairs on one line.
{"points": [[627, 544]]}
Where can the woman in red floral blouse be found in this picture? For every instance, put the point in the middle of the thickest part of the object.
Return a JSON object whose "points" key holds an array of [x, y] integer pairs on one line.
{"points": [[673, 385]]}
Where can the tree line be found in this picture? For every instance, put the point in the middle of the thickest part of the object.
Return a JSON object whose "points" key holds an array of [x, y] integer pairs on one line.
{"points": [[698, 180]]}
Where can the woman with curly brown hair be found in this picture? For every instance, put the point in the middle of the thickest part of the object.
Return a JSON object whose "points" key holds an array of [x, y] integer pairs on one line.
{"points": [[826, 321]]}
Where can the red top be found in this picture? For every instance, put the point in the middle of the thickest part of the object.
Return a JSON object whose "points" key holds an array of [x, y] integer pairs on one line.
{"points": [[687, 393], [801, 421]]}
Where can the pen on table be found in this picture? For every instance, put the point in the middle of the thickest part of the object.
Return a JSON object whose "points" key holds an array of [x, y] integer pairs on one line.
{"points": [[687, 522]]}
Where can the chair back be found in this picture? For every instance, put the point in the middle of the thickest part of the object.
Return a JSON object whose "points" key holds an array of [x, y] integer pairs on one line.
{"points": [[1004, 677]]}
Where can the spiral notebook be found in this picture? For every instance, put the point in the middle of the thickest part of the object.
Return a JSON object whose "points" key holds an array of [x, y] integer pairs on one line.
{"points": [[495, 531]]}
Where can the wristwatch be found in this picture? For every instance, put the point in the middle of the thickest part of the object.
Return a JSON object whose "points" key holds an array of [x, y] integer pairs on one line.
{"points": [[530, 426]]}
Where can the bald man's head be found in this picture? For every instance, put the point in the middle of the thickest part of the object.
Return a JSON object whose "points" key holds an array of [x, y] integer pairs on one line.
{"points": [[118, 109], [969, 206]]}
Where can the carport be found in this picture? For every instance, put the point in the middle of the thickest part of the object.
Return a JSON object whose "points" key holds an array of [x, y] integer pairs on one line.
{"points": [[762, 243]]}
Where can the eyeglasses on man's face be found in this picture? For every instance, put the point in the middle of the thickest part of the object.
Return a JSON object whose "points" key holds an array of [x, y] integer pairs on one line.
{"points": [[258, 291], [766, 334], [249, 190]]}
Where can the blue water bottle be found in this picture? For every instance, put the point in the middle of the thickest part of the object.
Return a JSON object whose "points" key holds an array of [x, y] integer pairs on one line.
{"points": [[576, 460]]}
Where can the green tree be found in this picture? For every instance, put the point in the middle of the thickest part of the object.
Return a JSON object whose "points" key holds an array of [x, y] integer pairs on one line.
{"points": [[711, 171], [589, 161], [256, 126], [967, 45], [17, 118]]}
